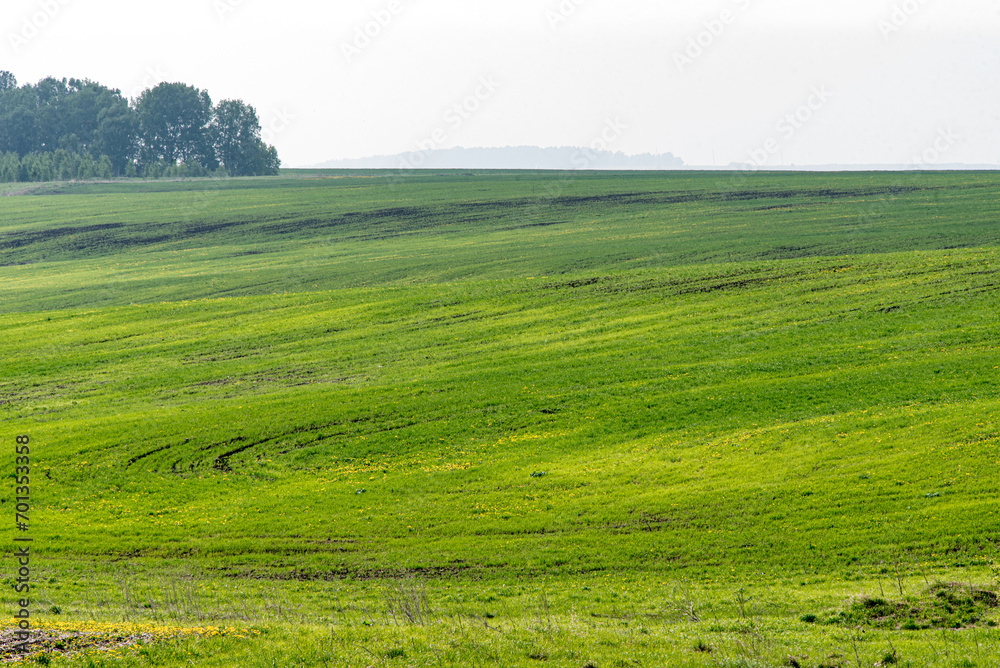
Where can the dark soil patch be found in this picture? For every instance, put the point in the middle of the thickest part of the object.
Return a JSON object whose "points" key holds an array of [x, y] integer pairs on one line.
{"points": [[427, 573]]}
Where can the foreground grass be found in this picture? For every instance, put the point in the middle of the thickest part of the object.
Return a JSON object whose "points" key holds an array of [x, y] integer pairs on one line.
{"points": [[603, 621], [625, 417]]}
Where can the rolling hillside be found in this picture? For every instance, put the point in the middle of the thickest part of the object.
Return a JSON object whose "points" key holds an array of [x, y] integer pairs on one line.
{"points": [[617, 397]]}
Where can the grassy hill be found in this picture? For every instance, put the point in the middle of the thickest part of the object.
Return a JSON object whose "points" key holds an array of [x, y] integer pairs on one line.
{"points": [[503, 418]]}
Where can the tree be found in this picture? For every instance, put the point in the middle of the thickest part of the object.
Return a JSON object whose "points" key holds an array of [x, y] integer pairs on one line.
{"points": [[77, 128], [104, 168], [53, 114], [234, 127], [10, 168], [81, 109], [65, 164], [116, 136], [18, 121], [236, 133], [173, 125], [270, 163], [7, 81], [49, 110]]}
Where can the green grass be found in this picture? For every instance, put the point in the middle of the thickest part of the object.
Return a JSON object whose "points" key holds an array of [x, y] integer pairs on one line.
{"points": [[593, 406]]}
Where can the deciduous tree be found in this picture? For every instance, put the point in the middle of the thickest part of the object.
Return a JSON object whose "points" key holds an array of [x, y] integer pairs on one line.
{"points": [[237, 135], [173, 125]]}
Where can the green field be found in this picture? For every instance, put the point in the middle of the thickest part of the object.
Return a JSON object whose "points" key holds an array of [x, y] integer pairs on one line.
{"points": [[507, 418]]}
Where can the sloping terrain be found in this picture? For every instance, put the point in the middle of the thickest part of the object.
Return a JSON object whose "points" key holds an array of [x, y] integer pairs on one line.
{"points": [[507, 377]]}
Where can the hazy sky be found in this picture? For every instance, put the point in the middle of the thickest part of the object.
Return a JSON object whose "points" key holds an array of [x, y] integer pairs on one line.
{"points": [[763, 81]]}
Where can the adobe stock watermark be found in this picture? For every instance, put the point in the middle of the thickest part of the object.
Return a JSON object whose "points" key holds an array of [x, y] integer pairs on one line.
{"points": [[789, 125], [899, 17], [944, 141], [613, 130], [223, 8], [563, 12], [34, 23], [454, 118], [714, 29], [22, 520], [584, 158], [202, 197], [152, 76], [365, 35], [278, 121]]}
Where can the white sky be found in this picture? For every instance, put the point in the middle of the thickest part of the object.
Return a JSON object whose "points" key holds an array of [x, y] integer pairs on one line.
{"points": [[929, 87]]}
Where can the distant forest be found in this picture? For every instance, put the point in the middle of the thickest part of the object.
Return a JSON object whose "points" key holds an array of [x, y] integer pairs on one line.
{"points": [[66, 129]]}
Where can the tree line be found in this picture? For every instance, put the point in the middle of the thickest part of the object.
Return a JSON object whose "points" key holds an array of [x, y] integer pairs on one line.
{"points": [[77, 129]]}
